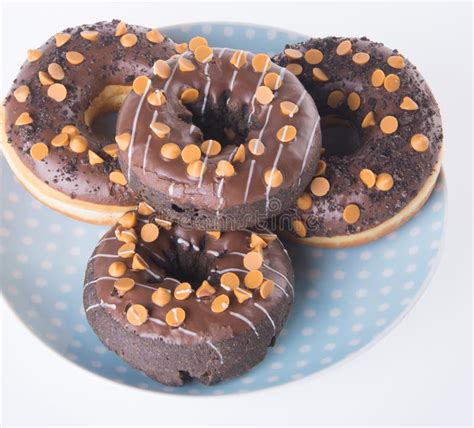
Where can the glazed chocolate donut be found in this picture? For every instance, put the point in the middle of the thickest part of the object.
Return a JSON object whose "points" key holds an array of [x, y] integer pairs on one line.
{"points": [[75, 76], [382, 140], [219, 139], [181, 304]]}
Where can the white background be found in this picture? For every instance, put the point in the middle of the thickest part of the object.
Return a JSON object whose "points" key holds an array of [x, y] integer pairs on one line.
{"points": [[419, 374]]}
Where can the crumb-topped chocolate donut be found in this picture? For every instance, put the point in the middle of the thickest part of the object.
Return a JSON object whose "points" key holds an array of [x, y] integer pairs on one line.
{"points": [[382, 140], [219, 138], [181, 304], [63, 86]]}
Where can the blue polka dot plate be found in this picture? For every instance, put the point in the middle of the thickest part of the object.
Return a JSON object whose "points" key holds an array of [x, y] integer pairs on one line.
{"points": [[345, 299]]}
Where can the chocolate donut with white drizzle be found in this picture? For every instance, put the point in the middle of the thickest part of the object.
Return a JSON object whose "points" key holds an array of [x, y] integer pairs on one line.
{"points": [[219, 139]]}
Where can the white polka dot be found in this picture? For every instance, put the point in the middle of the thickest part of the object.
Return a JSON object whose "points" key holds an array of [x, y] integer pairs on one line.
{"points": [[36, 299], [362, 292], [185, 28], [296, 376], [437, 207], [313, 273], [46, 264], [55, 228], [363, 274], [304, 348], [307, 331], [392, 236], [329, 346], [436, 225], [389, 254], [17, 274], [32, 223], [71, 357], [357, 327], [271, 34], [301, 363], [60, 306], [432, 261], [22, 258], [75, 251], [32, 313], [70, 269], [12, 290], [8, 215], [121, 369], [80, 328], [414, 231], [411, 268], [383, 307], [143, 385], [280, 349], [4, 232], [76, 343], [78, 232], [312, 294], [359, 311], [272, 379], [336, 294], [341, 255], [56, 322], [249, 33], [12, 197], [27, 240], [52, 337], [413, 250], [96, 364], [36, 205], [335, 312], [65, 288], [247, 380], [100, 349], [309, 313], [206, 29], [380, 322], [365, 255], [385, 290], [405, 301], [51, 246], [339, 274], [354, 342], [332, 330], [228, 31], [434, 245], [276, 366], [325, 360], [387, 273]]}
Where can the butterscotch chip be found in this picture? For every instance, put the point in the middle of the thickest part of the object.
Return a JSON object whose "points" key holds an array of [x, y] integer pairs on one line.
{"points": [[313, 56], [384, 181], [272, 81], [196, 169], [351, 214], [128, 40], [253, 279], [261, 63], [344, 48], [161, 297], [154, 36], [137, 315], [256, 147], [256, 242], [61, 39], [70, 130], [175, 317], [189, 96], [389, 124], [23, 119], [123, 140], [288, 108], [140, 84], [165, 224], [266, 289], [321, 168], [319, 75], [127, 251], [286, 133], [39, 151], [56, 71], [186, 65], [273, 177], [293, 54], [335, 98], [294, 68], [120, 29], [57, 92], [149, 232], [220, 303], [117, 177], [239, 59], [369, 120], [392, 83], [320, 186], [239, 155], [181, 47], [21, 93], [361, 58], [367, 177], [253, 260], [160, 129], [124, 285], [304, 202], [197, 41], [353, 101], [205, 290], [111, 150], [78, 144], [299, 228], [60, 140], [161, 69], [170, 151], [377, 78], [229, 281], [419, 142], [408, 104], [183, 291], [92, 36], [45, 79], [264, 95], [214, 234], [34, 55], [156, 98], [94, 158], [203, 54], [211, 148], [117, 269], [225, 169], [396, 61], [128, 220], [145, 209], [125, 235], [242, 294], [268, 237], [191, 153], [74, 58]]}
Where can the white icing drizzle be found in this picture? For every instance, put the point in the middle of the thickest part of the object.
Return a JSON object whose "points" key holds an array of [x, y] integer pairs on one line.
{"points": [[257, 305], [153, 274], [105, 239], [101, 278], [169, 278], [101, 304], [301, 98], [191, 128], [158, 256], [221, 53], [245, 320], [170, 189], [232, 82], [146, 154], [207, 87], [96, 256], [310, 143], [260, 134], [186, 331], [216, 349], [134, 127], [249, 179], [221, 183], [201, 176], [269, 187], [157, 321], [183, 241], [262, 75], [213, 253], [173, 71]]}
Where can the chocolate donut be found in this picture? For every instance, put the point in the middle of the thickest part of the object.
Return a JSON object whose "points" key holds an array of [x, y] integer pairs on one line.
{"points": [[181, 304], [219, 139], [64, 85], [382, 140]]}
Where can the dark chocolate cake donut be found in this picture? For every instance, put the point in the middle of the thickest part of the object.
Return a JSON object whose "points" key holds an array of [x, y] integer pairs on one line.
{"points": [[181, 304], [219, 139], [382, 140], [63, 86]]}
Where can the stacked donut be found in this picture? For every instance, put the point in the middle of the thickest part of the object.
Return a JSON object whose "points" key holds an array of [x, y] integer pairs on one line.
{"points": [[212, 147]]}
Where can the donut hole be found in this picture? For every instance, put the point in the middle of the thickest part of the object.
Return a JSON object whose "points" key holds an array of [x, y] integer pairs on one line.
{"points": [[339, 136]]}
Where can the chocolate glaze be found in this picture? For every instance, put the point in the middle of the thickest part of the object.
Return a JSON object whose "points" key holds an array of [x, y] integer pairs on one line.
{"points": [[107, 62], [227, 95], [379, 152], [185, 255]]}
